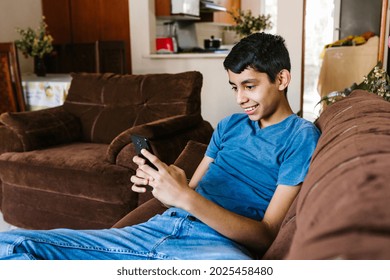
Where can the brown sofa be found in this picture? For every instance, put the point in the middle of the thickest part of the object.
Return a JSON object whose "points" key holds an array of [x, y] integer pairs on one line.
{"points": [[342, 210], [70, 166]]}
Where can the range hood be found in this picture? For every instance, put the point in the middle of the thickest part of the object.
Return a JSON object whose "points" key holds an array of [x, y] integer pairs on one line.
{"points": [[210, 6]]}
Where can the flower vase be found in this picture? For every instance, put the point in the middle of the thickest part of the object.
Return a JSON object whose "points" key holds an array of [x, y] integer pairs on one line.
{"points": [[39, 66], [230, 37]]}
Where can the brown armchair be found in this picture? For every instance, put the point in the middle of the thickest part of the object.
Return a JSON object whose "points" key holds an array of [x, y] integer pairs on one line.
{"points": [[70, 166]]}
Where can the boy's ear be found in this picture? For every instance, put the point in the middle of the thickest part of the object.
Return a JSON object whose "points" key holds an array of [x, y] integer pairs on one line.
{"points": [[284, 78]]}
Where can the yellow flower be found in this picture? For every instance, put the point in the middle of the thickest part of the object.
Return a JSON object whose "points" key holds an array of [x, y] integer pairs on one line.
{"points": [[35, 43]]}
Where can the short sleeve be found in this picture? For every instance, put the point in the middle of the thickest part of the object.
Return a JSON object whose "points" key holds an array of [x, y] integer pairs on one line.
{"points": [[297, 158], [216, 139]]}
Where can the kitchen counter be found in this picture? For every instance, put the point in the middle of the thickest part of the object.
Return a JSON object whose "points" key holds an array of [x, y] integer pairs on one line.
{"points": [[186, 55], [219, 53]]}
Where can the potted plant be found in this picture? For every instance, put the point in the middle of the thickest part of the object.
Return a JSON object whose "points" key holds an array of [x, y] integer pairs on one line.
{"points": [[36, 43], [246, 23], [377, 82]]}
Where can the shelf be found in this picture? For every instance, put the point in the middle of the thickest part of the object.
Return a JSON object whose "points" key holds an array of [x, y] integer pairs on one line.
{"points": [[178, 18], [221, 54]]}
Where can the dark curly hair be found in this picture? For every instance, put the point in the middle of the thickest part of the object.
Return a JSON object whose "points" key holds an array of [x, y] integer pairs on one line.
{"points": [[263, 52]]}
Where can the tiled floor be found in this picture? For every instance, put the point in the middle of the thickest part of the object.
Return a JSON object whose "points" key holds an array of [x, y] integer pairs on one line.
{"points": [[3, 225]]}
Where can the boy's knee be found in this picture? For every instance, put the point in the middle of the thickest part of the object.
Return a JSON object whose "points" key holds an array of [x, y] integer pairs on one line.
{"points": [[12, 243]]}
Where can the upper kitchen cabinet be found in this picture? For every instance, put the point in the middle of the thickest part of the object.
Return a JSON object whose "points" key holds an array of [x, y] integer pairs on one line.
{"points": [[81, 23], [177, 9], [162, 8], [224, 17]]}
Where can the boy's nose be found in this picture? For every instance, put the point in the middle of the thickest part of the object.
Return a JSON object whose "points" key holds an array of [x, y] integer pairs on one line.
{"points": [[240, 97]]}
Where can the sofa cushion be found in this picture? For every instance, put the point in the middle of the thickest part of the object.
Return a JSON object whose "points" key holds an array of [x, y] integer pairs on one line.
{"points": [[342, 209], [123, 101]]}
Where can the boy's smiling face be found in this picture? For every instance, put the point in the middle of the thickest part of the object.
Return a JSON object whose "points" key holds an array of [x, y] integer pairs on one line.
{"points": [[260, 99]]}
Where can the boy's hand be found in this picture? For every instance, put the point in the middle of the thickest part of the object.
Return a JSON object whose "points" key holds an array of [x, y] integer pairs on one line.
{"points": [[169, 182], [140, 179]]}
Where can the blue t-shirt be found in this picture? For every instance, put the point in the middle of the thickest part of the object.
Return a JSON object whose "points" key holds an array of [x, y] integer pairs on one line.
{"points": [[250, 162]]}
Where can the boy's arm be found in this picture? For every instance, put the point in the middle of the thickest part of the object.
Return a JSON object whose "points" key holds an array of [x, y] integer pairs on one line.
{"points": [[200, 171], [256, 235], [170, 187]]}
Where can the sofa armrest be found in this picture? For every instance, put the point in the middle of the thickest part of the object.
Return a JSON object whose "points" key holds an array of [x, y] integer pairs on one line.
{"points": [[188, 160], [141, 214], [39, 129], [165, 135]]}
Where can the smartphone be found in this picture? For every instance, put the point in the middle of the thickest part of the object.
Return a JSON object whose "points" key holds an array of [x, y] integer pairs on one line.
{"points": [[141, 142]]}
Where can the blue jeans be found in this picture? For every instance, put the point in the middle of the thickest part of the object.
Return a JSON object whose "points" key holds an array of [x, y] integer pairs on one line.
{"points": [[173, 235]]}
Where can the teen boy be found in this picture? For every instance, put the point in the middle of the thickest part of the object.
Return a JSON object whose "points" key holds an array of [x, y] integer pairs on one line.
{"points": [[239, 194]]}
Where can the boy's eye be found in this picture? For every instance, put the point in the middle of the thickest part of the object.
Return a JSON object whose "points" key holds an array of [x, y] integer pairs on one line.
{"points": [[234, 88], [249, 87]]}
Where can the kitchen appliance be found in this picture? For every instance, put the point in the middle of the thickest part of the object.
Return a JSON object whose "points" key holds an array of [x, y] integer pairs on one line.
{"points": [[212, 43], [210, 6], [185, 7], [188, 43], [166, 45], [166, 42]]}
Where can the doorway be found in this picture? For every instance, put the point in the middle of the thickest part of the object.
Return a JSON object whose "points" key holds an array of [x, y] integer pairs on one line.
{"points": [[327, 21], [319, 31]]}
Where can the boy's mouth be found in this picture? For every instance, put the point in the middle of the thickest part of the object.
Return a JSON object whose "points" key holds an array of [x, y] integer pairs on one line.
{"points": [[250, 109]]}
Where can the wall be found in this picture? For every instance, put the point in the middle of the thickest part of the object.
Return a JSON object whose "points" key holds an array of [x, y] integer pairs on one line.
{"points": [[17, 14], [254, 6], [290, 27]]}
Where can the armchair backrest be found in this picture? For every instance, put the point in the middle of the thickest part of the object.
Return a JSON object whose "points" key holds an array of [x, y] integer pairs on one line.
{"points": [[108, 104]]}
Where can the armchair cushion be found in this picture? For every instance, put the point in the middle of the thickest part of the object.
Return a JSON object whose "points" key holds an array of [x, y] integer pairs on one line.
{"points": [[64, 186], [39, 129], [10, 142], [124, 101]]}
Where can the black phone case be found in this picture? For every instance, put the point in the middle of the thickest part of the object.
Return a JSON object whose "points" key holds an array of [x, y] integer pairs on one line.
{"points": [[141, 142]]}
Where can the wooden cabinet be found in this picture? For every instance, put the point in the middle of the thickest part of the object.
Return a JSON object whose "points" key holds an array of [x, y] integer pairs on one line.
{"points": [[58, 19], [224, 17], [163, 11], [89, 21], [86, 20], [162, 8]]}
